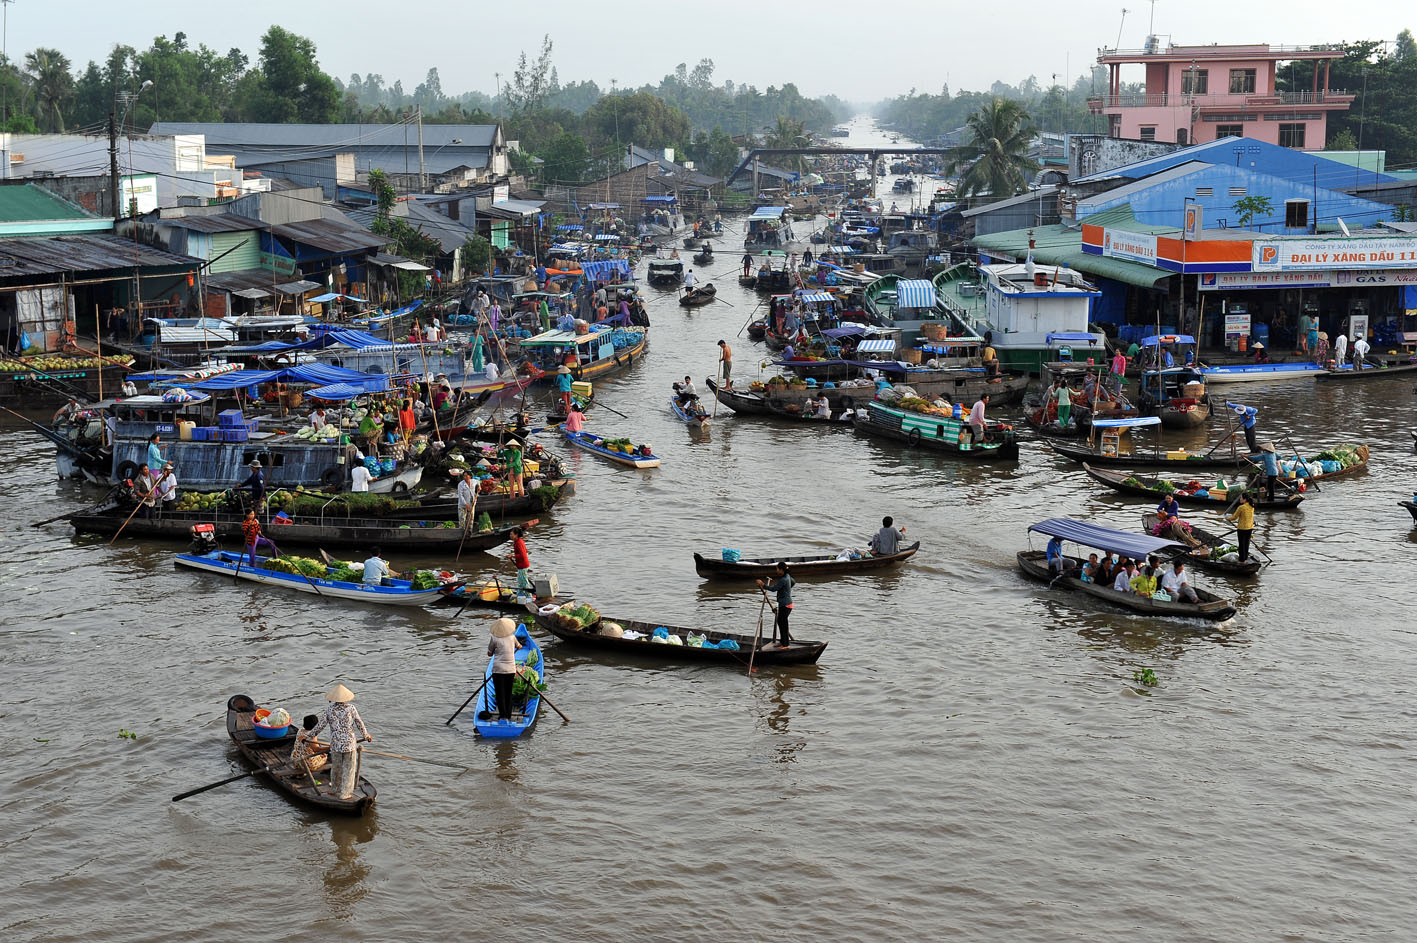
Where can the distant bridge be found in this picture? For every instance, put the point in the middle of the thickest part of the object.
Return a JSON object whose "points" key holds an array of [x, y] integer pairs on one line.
{"points": [[874, 153]]}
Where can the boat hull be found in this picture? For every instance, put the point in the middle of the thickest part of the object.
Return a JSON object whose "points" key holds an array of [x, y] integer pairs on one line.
{"points": [[299, 785], [800, 653], [1260, 373], [582, 440], [226, 564], [802, 567], [1117, 482], [485, 718], [1033, 564]]}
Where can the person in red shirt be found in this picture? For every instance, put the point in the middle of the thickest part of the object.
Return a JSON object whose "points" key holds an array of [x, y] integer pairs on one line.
{"points": [[252, 538], [407, 420], [522, 561]]}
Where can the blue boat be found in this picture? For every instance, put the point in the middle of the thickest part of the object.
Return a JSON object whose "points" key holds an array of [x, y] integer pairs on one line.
{"points": [[392, 593], [588, 441], [692, 413], [486, 721], [1259, 372]]}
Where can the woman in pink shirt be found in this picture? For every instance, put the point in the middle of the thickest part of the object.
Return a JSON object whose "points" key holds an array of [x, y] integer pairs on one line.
{"points": [[575, 422]]}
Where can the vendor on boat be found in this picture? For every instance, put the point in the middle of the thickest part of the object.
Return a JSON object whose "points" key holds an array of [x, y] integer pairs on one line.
{"points": [[1169, 506], [1119, 370], [1053, 553], [522, 561], [575, 419], [782, 585], [165, 489], [144, 489], [1261, 355], [689, 281], [976, 419], [563, 386], [1244, 518], [1172, 527], [1062, 395], [256, 484], [819, 408], [376, 569], [1247, 416], [888, 539], [503, 649], [685, 392], [1269, 464], [155, 459], [252, 538], [467, 500], [990, 358], [512, 460], [341, 717], [1144, 582], [725, 359]]}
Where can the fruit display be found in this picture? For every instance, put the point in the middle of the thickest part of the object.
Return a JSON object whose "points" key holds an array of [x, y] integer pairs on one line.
{"points": [[199, 501], [56, 362]]}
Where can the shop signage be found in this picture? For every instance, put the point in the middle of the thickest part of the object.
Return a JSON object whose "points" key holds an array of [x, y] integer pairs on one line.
{"points": [[1377, 277], [1288, 255], [1132, 246], [1235, 325], [1225, 281]]}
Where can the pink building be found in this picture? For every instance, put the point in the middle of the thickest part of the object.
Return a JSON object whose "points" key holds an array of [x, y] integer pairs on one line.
{"points": [[1196, 94]]}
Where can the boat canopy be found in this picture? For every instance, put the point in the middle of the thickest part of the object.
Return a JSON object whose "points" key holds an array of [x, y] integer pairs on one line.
{"points": [[1158, 339], [556, 338], [605, 269], [335, 296], [915, 293], [662, 198], [602, 206], [1126, 423], [569, 227], [1068, 336], [348, 391], [881, 345], [1102, 538]]}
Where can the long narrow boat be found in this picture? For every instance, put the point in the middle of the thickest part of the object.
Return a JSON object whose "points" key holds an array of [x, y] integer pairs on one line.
{"points": [[780, 403], [939, 433], [486, 720], [587, 441], [697, 297], [395, 593], [1370, 372], [1034, 564], [1202, 557], [1150, 488], [444, 506], [264, 752], [1260, 372], [698, 419], [499, 594], [359, 532], [1412, 509], [802, 567], [1196, 460], [799, 653]]}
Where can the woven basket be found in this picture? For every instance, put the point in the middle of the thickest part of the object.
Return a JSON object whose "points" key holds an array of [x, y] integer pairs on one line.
{"points": [[934, 331]]}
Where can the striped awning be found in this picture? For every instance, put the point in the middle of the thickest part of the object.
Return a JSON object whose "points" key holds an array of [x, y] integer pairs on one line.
{"points": [[605, 269], [914, 293], [881, 345], [607, 237], [812, 297]]}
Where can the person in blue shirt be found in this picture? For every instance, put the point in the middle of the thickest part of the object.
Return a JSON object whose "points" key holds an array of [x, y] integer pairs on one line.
{"points": [[1270, 463], [1170, 505], [256, 484], [1054, 553], [376, 569], [1247, 415], [1170, 360], [155, 459], [782, 585], [563, 386]]}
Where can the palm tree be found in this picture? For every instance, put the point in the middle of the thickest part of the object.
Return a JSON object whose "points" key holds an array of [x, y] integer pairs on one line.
{"points": [[788, 133], [53, 85], [995, 159]]}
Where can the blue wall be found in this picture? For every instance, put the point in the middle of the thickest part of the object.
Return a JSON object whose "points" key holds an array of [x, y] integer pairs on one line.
{"points": [[1295, 166]]}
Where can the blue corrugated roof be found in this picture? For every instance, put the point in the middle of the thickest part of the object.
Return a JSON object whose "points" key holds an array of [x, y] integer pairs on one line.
{"points": [[1102, 538]]}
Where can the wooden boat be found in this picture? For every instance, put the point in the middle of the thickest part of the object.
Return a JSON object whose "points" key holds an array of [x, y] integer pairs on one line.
{"points": [[1200, 557], [698, 297], [938, 433], [1370, 372], [748, 281], [1412, 509], [692, 414], [665, 272], [802, 567], [1260, 372], [485, 720], [1287, 465], [1034, 564], [394, 593], [587, 441], [758, 329], [783, 405], [313, 788], [1195, 460], [558, 415], [499, 594], [799, 653], [1150, 488], [704, 258], [443, 506], [361, 532]]}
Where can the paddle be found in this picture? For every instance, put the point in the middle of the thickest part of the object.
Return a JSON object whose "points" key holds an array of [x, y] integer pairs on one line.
{"points": [[414, 759], [141, 499], [466, 526], [53, 519], [615, 411], [192, 792], [542, 695], [762, 610], [469, 700], [298, 570]]}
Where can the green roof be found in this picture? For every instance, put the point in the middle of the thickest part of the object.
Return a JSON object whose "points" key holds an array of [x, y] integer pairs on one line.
{"points": [[1121, 217], [30, 202], [1059, 245]]}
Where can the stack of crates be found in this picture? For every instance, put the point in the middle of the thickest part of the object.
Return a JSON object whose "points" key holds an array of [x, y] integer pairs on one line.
{"points": [[232, 426]]}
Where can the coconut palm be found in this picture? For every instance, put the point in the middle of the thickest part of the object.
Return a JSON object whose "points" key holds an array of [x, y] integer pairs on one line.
{"points": [[995, 159], [788, 133], [48, 70]]}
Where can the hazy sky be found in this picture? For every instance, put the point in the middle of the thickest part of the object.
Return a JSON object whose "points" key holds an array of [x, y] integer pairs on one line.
{"points": [[859, 51]]}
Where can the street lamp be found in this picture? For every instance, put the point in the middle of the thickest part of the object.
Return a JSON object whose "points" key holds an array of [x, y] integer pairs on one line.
{"points": [[435, 150]]}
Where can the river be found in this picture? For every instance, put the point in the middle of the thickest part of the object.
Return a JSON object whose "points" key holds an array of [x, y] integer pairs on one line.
{"points": [[971, 759]]}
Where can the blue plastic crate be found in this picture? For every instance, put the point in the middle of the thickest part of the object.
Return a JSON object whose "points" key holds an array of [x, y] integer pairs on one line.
{"points": [[229, 418], [234, 435]]}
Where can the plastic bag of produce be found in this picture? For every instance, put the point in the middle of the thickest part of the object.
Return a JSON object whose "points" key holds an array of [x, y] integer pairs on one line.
{"points": [[695, 640], [728, 645]]}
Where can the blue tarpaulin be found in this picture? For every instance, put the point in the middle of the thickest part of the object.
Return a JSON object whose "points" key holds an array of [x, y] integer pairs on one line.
{"points": [[569, 227], [1126, 423], [346, 391], [323, 373], [333, 296], [661, 199], [1158, 339], [915, 293], [1068, 336], [228, 381], [605, 270], [1102, 538], [1409, 297]]}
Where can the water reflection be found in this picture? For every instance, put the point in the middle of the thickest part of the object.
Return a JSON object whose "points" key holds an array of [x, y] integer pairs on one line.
{"points": [[504, 755], [774, 700], [344, 879]]}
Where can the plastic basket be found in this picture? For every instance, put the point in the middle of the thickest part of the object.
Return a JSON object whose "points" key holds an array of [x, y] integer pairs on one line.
{"points": [[230, 417]]}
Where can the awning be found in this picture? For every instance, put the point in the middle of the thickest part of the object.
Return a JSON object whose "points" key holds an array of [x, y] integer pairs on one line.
{"points": [[605, 269], [768, 212], [813, 297], [1068, 336], [915, 293], [301, 287], [229, 381], [1156, 340], [520, 207], [1059, 245], [1125, 543], [334, 296], [569, 227], [252, 293], [607, 237], [882, 345], [1126, 423], [408, 265], [661, 199], [602, 206], [347, 391]]}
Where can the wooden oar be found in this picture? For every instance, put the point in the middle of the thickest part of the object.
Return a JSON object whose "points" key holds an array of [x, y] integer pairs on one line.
{"points": [[141, 499], [231, 779], [298, 570], [466, 702], [542, 695], [762, 610], [414, 759], [53, 519]]}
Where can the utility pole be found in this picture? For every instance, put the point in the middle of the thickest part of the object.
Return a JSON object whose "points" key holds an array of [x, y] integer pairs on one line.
{"points": [[113, 164], [422, 177]]}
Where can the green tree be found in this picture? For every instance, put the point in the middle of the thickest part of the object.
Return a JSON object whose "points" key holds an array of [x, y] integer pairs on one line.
{"points": [[1343, 141], [1405, 47], [477, 254], [566, 158], [532, 81], [291, 87], [1247, 208], [995, 158], [640, 118], [53, 86], [714, 153]]}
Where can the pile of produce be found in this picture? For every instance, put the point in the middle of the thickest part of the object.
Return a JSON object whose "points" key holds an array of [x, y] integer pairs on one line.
{"points": [[1345, 455], [326, 434], [301, 503], [547, 495], [624, 446], [425, 579], [301, 565], [527, 680], [62, 363], [197, 501], [345, 572], [575, 617]]}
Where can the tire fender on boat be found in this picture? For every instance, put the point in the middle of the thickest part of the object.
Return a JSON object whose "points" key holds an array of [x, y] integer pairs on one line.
{"points": [[127, 470], [399, 487], [913, 437], [332, 477]]}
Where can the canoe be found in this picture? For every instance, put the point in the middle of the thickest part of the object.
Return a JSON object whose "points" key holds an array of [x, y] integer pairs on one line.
{"points": [[1200, 558], [1034, 564], [485, 719], [1197, 460], [1260, 372], [824, 564], [1369, 372], [938, 433], [498, 594], [698, 297], [1183, 413], [703, 258], [799, 653], [1412, 509], [358, 532], [1355, 468], [586, 440], [1148, 487], [396, 593], [748, 281], [264, 752], [444, 506], [779, 404], [686, 414]]}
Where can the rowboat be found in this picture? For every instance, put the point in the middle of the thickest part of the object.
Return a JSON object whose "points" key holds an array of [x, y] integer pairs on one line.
{"points": [[587, 441], [783, 405], [697, 297], [1200, 557], [1412, 509], [939, 433], [264, 752], [443, 506], [799, 653], [497, 594], [1370, 372], [1112, 455], [1260, 372], [665, 272], [749, 281], [692, 413], [705, 257], [802, 567], [394, 593], [485, 719], [1150, 488], [1034, 564]]}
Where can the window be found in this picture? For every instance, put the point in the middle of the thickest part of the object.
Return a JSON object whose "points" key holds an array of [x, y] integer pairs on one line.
{"points": [[1242, 81], [1195, 81], [1148, 132], [1296, 214], [1181, 136], [1291, 135], [1229, 130]]}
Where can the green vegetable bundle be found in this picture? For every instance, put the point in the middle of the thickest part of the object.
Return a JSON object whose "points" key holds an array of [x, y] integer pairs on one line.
{"points": [[425, 579], [526, 681]]}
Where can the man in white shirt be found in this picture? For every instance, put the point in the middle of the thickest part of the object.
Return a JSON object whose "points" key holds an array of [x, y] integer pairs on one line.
{"points": [[318, 419], [1176, 585], [1360, 351], [1126, 570], [166, 488], [1340, 349], [359, 478], [430, 333], [467, 500], [490, 370], [689, 281], [376, 569], [976, 419]]}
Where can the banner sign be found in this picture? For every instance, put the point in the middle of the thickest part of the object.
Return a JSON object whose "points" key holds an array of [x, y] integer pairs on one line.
{"points": [[1377, 278], [1132, 246], [1288, 255]]}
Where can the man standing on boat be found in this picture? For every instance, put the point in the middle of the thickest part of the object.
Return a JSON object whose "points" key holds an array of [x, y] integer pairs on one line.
{"points": [[1269, 462], [1360, 352], [563, 386], [522, 561], [1247, 416], [467, 500], [725, 357], [747, 264], [782, 585], [976, 419], [341, 717], [689, 281], [256, 484]]}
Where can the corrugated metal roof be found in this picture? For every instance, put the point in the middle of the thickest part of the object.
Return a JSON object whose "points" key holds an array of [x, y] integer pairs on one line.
{"points": [[224, 222], [30, 255], [450, 233], [330, 235], [30, 202], [1059, 245], [346, 136], [1042, 193], [234, 282]]}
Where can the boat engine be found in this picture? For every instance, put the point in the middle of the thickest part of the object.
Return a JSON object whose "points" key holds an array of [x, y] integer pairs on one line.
{"points": [[204, 538]]}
